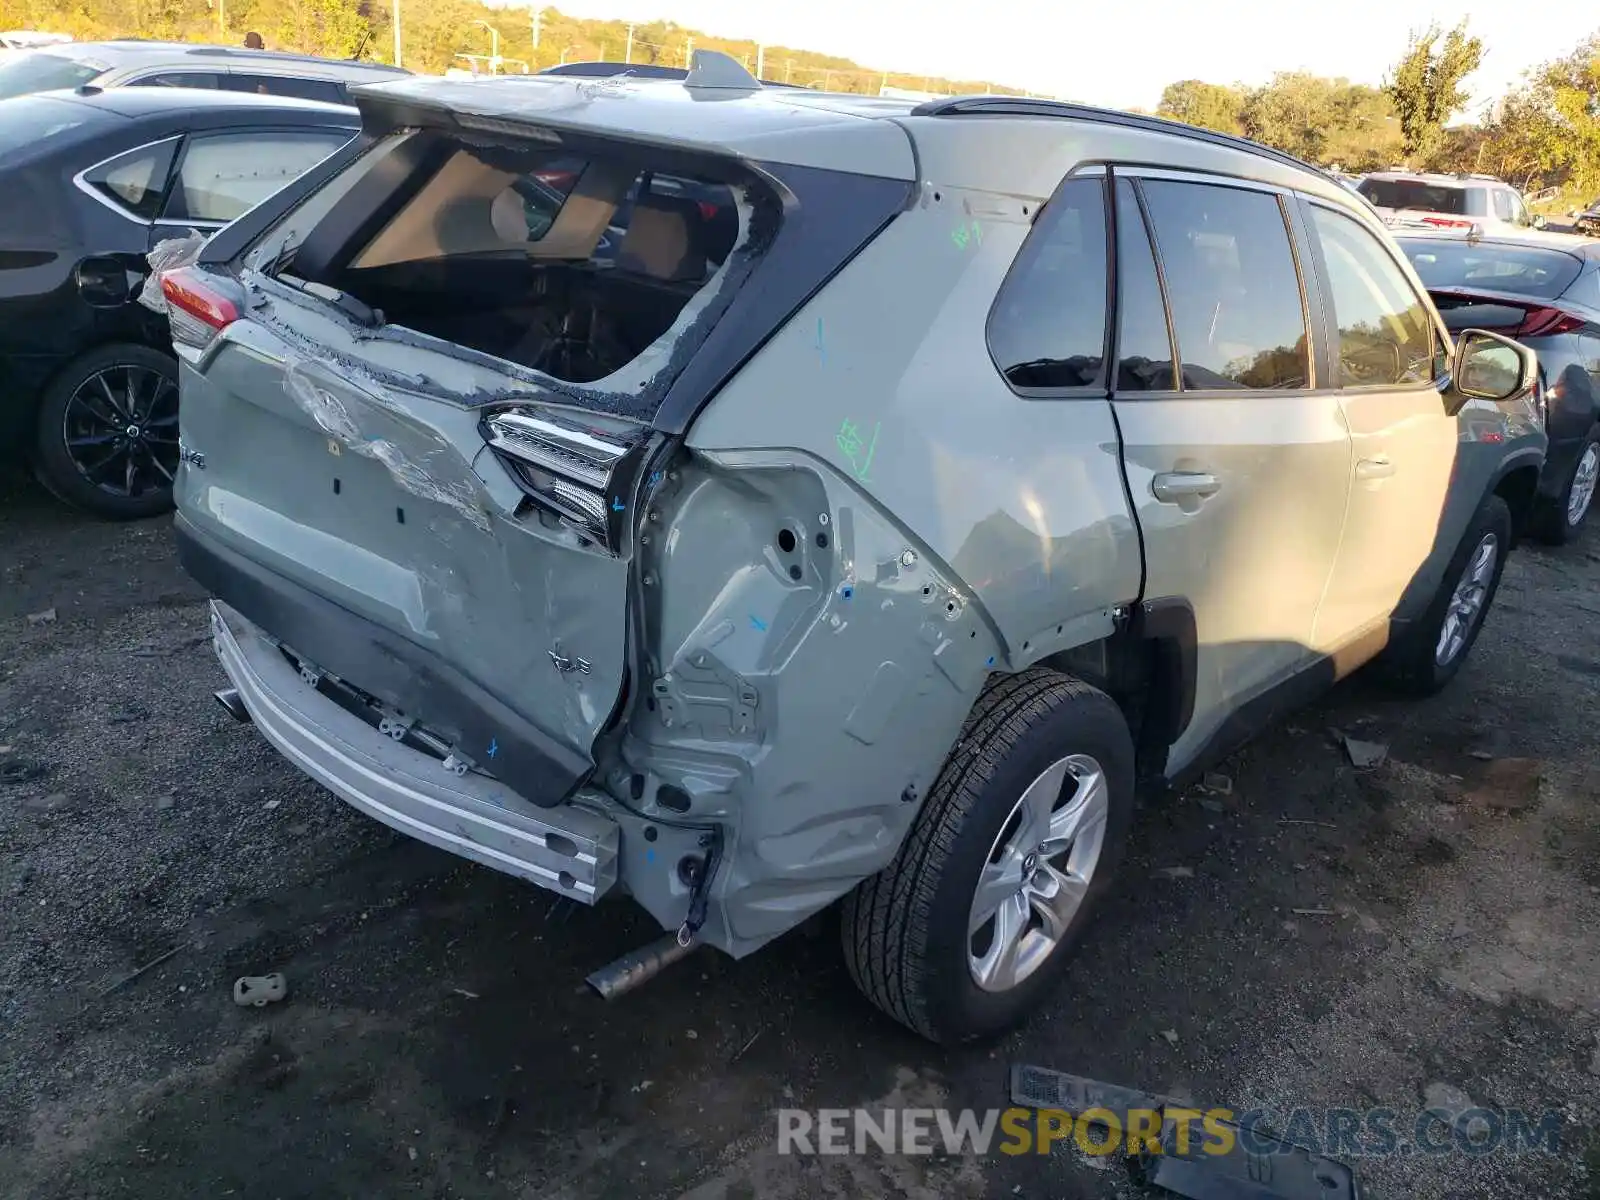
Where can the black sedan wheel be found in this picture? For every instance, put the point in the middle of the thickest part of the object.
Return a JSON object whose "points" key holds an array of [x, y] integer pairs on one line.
{"points": [[107, 436]]}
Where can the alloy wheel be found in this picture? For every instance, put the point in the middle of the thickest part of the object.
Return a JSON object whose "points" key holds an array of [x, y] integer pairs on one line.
{"points": [[1037, 873], [1581, 494], [1466, 602], [120, 429]]}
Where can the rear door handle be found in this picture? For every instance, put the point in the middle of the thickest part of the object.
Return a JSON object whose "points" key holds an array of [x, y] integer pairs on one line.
{"points": [[1374, 468], [1174, 487]]}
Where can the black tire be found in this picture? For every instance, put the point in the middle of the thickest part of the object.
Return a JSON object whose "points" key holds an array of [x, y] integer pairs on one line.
{"points": [[1552, 522], [906, 929], [69, 426], [1412, 663]]}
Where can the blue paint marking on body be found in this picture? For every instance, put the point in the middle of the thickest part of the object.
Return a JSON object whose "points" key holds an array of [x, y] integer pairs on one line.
{"points": [[991, 661], [847, 591], [822, 348], [617, 505], [649, 856], [655, 478], [758, 623], [494, 747]]}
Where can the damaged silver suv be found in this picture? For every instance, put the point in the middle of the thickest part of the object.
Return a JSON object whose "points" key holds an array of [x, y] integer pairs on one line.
{"points": [[746, 499]]}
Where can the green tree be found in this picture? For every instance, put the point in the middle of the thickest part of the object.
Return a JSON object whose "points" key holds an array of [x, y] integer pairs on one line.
{"points": [[1425, 85], [1208, 105]]}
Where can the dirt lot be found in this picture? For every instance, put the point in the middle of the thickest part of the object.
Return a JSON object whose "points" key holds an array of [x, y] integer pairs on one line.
{"points": [[438, 1042]]}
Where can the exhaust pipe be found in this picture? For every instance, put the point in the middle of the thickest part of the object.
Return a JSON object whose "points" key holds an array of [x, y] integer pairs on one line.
{"points": [[640, 967], [229, 699]]}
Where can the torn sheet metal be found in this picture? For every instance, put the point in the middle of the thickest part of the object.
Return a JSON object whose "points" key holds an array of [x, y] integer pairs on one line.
{"points": [[169, 255], [335, 418]]}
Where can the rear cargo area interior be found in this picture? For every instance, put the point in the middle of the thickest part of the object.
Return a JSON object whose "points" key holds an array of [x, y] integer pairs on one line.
{"points": [[570, 266]]}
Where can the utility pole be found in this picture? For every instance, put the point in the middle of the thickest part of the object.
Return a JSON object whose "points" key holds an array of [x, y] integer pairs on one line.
{"points": [[538, 18], [788, 68], [627, 55], [761, 60], [397, 55], [688, 52], [222, 17]]}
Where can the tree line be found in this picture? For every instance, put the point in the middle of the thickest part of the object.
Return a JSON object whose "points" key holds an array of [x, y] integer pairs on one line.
{"points": [[1544, 132]]}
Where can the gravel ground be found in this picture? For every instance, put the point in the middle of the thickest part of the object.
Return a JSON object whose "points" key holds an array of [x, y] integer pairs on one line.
{"points": [[437, 1040]]}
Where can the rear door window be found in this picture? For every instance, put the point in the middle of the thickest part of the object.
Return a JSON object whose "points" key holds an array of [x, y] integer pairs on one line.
{"points": [[1144, 342], [295, 87], [1232, 285], [178, 79], [1047, 329], [1502, 205], [134, 182], [1386, 337], [222, 176]]}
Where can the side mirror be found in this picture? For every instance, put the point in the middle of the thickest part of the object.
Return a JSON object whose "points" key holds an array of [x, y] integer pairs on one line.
{"points": [[1490, 367], [1538, 220]]}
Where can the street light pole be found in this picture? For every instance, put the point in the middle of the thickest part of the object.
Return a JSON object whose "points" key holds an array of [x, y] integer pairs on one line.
{"points": [[396, 22], [538, 18], [627, 55], [494, 46]]}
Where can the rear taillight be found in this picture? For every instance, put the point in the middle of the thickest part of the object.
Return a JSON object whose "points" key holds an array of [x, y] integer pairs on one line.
{"points": [[1546, 322], [575, 472], [1446, 223], [198, 306]]}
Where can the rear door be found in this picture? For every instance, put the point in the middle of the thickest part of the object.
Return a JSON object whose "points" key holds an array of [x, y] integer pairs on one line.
{"points": [[1237, 460], [1388, 357]]}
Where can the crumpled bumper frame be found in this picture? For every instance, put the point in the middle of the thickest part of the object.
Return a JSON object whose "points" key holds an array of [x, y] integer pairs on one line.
{"points": [[570, 849]]}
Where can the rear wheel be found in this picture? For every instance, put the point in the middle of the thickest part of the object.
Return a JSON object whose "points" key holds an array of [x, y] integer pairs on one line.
{"points": [[1559, 520], [966, 931], [1430, 653], [107, 433]]}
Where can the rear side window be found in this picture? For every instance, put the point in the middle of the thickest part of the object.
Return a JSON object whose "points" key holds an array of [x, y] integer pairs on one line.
{"points": [[1048, 325], [1232, 285], [285, 85], [1385, 334], [136, 181], [1502, 206], [225, 175], [1402, 194]]}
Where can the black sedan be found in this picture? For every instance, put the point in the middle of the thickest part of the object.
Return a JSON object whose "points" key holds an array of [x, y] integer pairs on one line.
{"points": [[1543, 290], [90, 182]]}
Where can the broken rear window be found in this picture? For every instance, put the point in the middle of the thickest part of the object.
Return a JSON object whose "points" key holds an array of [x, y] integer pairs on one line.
{"points": [[575, 265]]}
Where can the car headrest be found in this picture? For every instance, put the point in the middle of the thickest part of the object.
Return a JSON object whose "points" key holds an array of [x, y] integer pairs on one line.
{"points": [[664, 240]]}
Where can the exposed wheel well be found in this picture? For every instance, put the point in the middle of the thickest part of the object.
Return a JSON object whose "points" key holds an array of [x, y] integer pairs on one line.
{"points": [[1519, 488], [1147, 668]]}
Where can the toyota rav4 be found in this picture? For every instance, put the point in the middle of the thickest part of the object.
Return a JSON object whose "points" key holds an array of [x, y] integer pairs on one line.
{"points": [[906, 486]]}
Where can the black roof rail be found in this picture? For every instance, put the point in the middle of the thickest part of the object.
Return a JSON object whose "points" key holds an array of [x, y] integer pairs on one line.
{"points": [[1022, 106]]}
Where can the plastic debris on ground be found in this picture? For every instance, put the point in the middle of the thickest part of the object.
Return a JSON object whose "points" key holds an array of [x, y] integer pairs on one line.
{"points": [[258, 991], [1363, 754], [1256, 1166]]}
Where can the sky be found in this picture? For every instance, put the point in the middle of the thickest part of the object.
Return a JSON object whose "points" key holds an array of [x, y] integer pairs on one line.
{"points": [[1120, 54]]}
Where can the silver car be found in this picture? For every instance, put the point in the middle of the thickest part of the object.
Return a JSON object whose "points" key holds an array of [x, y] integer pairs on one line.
{"points": [[910, 485]]}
